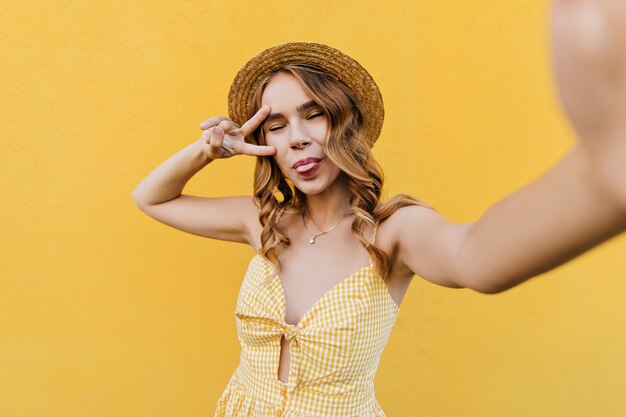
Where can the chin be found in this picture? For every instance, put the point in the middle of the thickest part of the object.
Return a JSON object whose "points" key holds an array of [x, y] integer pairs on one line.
{"points": [[315, 185], [310, 189]]}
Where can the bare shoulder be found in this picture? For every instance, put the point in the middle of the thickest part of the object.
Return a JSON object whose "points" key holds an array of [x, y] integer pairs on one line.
{"points": [[396, 223], [394, 230], [426, 243]]}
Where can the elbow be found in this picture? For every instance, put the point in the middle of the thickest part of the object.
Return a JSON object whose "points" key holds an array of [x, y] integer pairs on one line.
{"points": [[483, 288], [482, 285], [475, 281], [476, 277], [488, 290], [496, 286], [136, 199]]}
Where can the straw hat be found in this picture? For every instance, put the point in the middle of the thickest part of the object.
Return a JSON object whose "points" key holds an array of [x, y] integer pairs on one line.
{"points": [[346, 69]]}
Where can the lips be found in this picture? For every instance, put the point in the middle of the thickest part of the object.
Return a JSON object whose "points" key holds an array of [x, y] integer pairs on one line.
{"points": [[306, 164], [305, 172], [307, 167]]}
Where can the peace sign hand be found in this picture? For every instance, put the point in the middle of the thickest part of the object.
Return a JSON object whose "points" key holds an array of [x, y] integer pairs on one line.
{"points": [[223, 138]]}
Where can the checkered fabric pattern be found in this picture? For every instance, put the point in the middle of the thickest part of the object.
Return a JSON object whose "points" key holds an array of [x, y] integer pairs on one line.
{"points": [[334, 349]]}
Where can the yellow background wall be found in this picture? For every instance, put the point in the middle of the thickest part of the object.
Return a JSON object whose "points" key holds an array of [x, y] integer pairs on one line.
{"points": [[105, 312]]}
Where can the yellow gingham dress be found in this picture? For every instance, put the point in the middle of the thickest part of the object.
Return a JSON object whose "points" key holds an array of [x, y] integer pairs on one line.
{"points": [[334, 349]]}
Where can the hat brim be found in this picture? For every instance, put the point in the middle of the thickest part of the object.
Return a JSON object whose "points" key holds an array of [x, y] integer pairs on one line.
{"points": [[345, 68]]}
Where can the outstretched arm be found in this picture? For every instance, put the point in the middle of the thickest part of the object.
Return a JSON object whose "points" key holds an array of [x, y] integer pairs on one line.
{"points": [[540, 226], [576, 205], [581, 202]]}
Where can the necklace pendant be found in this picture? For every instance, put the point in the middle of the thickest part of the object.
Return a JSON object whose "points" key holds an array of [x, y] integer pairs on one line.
{"points": [[312, 240]]}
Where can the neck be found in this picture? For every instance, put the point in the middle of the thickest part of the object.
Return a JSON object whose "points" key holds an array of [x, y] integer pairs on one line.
{"points": [[329, 206]]}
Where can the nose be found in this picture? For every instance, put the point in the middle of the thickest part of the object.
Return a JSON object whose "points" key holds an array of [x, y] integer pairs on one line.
{"points": [[299, 136]]}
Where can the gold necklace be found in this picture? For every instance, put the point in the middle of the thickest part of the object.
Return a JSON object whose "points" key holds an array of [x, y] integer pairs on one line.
{"points": [[312, 239]]}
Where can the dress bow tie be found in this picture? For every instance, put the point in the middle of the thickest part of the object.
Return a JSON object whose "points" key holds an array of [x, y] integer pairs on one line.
{"points": [[290, 330]]}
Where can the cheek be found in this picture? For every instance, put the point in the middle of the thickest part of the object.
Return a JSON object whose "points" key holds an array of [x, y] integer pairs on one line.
{"points": [[280, 158], [323, 129]]}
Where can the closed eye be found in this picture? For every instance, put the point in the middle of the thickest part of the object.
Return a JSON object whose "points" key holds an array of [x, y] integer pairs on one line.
{"points": [[314, 115]]}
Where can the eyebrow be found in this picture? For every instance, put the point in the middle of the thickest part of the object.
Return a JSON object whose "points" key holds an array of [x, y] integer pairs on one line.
{"points": [[302, 107]]}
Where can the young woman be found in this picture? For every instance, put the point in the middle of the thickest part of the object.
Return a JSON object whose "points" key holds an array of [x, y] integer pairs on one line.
{"points": [[333, 262]]}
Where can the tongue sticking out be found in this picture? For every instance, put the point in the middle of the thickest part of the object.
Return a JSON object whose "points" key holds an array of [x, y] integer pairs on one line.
{"points": [[303, 168]]}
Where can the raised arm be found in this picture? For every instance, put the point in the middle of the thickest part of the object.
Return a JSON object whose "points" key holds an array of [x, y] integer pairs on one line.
{"points": [[226, 218]]}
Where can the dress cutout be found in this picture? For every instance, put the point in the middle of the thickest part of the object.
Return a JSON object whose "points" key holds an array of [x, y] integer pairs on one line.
{"points": [[334, 349]]}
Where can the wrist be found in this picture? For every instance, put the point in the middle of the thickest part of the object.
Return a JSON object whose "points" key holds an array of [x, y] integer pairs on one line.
{"points": [[200, 153], [607, 157]]}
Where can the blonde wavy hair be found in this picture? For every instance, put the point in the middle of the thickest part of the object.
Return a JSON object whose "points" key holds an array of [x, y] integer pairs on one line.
{"points": [[347, 147]]}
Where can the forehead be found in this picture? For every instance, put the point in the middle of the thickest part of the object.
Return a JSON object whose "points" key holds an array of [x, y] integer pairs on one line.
{"points": [[284, 91]]}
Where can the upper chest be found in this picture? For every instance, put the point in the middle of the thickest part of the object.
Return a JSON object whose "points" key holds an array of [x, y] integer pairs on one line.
{"points": [[308, 272]]}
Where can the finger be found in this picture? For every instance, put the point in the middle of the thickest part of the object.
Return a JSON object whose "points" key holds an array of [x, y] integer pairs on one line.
{"points": [[213, 121], [257, 150], [206, 136], [228, 125], [215, 143], [217, 138], [255, 121]]}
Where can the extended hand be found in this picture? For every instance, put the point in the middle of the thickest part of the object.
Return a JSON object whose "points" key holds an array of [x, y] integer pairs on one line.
{"points": [[589, 60]]}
